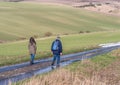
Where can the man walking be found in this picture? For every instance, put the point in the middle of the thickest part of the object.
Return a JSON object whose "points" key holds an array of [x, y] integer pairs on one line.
{"points": [[56, 49]]}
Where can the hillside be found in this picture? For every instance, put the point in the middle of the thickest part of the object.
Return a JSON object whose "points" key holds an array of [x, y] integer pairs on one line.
{"points": [[22, 20], [61, 0]]}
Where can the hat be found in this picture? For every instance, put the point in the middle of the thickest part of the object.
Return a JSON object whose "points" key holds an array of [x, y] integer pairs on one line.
{"points": [[58, 37]]}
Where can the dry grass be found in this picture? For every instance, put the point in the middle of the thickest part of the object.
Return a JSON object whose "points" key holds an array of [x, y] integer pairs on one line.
{"points": [[116, 53], [83, 73], [65, 77], [108, 76]]}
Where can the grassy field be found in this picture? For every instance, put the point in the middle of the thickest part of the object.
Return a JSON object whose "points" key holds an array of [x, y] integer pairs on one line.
{"points": [[100, 70], [19, 21], [17, 52], [22, 20]]}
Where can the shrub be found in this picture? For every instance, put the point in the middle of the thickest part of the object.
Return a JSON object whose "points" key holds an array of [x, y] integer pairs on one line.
{"points": [[22, 38], [99, 4], [110, 11], [87, 31], [35, 36], [65, 34], [107, 3], [81, 32], [1, 41], [47, 34]]}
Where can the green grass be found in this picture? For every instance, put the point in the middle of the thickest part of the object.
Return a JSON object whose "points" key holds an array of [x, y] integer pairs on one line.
{"points": [[22, 20], [95, 71], [95, 64], [17, 52]]}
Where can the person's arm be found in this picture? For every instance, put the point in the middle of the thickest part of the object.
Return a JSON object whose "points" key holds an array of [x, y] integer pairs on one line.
{"points": [[29, 48], [52, 46], [35, 49], [60, 48], [35, 46]]}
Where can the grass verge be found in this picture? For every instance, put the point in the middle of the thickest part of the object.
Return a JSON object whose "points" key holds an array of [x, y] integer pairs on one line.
{"points": [[100, 70]]}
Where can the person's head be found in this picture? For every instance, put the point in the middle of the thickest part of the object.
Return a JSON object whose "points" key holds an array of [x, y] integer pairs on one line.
{"points": [[32, 40], [58, 37]]}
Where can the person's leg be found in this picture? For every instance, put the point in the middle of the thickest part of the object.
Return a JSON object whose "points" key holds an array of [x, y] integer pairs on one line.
{"points": [[58, 60], [54, 58], [32, 58]]}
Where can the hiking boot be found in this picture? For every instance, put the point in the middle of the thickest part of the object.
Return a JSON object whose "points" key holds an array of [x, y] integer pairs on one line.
{"points": [[31, 63], [57, 66], [52, 63], [52, 67]]}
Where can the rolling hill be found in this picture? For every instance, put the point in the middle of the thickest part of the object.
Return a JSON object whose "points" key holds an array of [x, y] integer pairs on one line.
{"points": [[22, 20]]}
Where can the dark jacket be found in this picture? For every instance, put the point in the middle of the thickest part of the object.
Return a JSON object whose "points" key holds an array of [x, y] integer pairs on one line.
{"points": [[57, 52]]}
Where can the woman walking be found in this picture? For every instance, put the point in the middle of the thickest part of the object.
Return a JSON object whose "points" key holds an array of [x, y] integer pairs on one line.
{"points": [[32, 49]]}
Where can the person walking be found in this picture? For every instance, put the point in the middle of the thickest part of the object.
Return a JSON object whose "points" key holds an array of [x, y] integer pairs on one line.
{"points": [[32, 49], [56, 49]]}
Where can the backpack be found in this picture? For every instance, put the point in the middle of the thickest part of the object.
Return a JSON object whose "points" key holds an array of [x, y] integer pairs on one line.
{"points": [[55, 45]]}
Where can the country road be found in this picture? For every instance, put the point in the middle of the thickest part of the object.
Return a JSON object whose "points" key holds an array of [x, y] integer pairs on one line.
{"points": [[22, 71]]}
